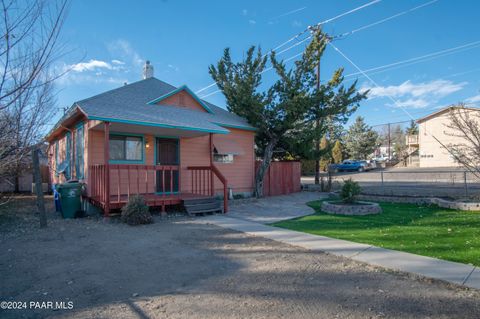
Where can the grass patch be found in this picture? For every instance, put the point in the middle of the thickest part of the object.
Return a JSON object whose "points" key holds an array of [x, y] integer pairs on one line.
{"points": [[424, 230]]}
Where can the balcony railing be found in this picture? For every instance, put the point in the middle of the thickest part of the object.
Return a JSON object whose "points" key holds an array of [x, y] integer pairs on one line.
{"points": [[412, 139]]}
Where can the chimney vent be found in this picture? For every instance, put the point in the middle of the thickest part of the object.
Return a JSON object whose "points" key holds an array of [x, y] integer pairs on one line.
{"points": [[147, 70]]}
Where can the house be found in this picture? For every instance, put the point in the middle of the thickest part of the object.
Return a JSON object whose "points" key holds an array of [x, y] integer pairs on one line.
{"points": [[154, 139], [432, 129], [22, 180]]}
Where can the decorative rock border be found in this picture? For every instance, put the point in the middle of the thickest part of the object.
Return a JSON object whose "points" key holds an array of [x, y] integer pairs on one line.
{"points": [[458, 205], [366, 208]]}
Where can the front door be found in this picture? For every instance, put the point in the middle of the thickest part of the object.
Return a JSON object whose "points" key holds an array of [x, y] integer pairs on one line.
{"points": [[167, 150]]}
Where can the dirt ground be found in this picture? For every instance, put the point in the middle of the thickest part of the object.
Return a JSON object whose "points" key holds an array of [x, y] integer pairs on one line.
{"points": [[176, 268]]}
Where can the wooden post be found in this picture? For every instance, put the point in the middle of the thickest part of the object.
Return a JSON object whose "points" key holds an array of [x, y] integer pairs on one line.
{"points": [[38, 188], [106, 159], [212, 186]]}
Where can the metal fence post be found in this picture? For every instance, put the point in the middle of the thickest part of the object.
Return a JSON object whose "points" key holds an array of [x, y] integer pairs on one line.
{"points": [[381, 174], [465, 183]]}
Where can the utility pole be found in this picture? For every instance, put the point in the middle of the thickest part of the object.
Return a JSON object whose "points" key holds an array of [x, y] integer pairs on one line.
{"points": [[389, 143], [317, 123]]}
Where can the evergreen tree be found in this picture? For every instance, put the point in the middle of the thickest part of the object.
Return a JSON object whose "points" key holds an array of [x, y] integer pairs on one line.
{"points": [[337, 155], [413, 128], [360, 140], [276, 111]]}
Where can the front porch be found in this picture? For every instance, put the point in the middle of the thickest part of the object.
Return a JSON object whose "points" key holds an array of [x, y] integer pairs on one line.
{"points": [[166, 182]]}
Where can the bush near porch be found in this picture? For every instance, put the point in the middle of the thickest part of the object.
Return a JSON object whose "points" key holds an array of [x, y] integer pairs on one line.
{"points": [[424, 230]]}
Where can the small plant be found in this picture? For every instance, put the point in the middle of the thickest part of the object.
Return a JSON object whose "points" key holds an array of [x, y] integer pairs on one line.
{"points": [[350, 190], [136, 212]]}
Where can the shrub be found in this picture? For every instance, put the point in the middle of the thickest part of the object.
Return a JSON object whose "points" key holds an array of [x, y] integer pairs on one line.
{"points": [[136, 212], [350, 190]]}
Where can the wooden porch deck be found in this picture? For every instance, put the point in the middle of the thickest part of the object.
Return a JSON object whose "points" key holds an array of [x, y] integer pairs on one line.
{"points": [[151, 199]]}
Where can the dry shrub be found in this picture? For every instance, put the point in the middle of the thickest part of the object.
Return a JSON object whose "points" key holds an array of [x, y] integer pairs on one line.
{"points": [[136, 212]]}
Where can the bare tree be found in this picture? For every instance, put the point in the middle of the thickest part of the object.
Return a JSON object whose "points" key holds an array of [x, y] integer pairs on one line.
{"points": [[29, 45], [29, 33], [465, 125]]}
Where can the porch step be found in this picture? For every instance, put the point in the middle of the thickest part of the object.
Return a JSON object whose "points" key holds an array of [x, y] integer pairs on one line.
{"points": [[202, 206]]}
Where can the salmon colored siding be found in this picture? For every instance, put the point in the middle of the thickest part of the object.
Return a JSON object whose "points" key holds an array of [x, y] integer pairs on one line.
{"points": [[239, 174], [62, 152], [193, 152], [182, 99]]}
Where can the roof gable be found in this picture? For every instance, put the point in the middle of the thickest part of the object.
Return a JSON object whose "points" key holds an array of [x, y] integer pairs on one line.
{"points": [[182, 88], [444, 110], [130, 103]]}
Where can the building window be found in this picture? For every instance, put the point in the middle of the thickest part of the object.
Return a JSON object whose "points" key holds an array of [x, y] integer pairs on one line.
{"points": [[223, 158], [126, 148]]}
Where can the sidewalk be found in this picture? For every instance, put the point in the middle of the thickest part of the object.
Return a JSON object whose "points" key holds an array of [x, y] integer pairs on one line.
{"points": [[453, 272]]}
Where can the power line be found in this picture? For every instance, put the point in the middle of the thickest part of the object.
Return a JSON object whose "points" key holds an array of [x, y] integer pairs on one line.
{"points": [[266, 70], [391, 98], [325, 22], [387, 19], [304, 31], [436, 54], [343, 35]]}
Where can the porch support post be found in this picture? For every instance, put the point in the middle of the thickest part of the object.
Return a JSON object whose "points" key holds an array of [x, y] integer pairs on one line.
{"points": [[212, 187], [106, 159]]}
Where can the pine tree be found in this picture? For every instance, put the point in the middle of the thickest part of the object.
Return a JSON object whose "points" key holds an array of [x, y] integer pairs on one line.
{"points": [[337, 152], [278, 110], [413, 128], [360, 140]]}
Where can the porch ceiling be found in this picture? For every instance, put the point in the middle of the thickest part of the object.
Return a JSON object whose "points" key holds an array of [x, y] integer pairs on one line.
{"points": [[151, 130]]}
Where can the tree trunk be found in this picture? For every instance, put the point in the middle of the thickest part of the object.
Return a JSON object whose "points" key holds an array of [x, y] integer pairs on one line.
{"points": [[38, 188], [317, 160], [262, 169], [17, 182]]}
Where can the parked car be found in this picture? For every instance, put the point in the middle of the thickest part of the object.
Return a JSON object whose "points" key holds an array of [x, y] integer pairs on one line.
{"points": [[370, 164], [349, 165]]}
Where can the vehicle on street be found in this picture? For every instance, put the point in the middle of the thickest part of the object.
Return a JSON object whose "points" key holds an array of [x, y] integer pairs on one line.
{"points": [[350, 165]]}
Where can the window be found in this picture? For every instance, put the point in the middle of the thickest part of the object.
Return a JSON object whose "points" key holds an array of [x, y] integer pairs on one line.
{"points": [[126, 148], [223, 158]]}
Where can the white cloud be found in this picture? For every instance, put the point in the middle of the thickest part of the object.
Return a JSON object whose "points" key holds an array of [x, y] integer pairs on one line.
{"points": [[118, 62], [412, 103], [438, 88], [415, 95], [296, 24], [124, 50], [252, 22], [473, 99], [173, 67], [90, 65]]}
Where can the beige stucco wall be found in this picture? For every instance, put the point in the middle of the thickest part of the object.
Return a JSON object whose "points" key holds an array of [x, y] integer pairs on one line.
{"points": [[432, 153]]}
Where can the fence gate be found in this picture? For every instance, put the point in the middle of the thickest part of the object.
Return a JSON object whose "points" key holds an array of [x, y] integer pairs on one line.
{"points": [[281, 178]]}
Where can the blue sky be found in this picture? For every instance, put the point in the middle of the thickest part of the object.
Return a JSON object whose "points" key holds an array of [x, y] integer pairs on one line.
{"points": [[109, 41]]}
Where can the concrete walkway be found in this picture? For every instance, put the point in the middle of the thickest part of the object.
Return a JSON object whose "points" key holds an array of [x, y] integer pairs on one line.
{"points": [[273, 209], [457, 273]]}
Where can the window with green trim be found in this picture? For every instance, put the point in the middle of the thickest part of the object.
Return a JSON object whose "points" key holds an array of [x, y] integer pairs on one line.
{"points": [[126, 148]]}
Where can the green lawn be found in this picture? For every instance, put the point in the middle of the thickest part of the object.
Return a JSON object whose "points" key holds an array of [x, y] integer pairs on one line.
{"points": [[429, 231]]}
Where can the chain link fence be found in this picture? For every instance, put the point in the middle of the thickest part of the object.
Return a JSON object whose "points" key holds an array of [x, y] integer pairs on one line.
{"points": [[418, 183]]}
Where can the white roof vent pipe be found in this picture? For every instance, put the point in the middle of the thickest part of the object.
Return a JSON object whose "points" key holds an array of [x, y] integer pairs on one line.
{"points": [[147, 70]]}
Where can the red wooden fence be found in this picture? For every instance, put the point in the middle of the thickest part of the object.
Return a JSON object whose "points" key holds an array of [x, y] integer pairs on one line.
{"points": [[281, 178]]}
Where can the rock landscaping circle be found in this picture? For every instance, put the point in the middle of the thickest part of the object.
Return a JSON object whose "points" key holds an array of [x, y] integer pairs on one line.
{"points": [[358, 208]]}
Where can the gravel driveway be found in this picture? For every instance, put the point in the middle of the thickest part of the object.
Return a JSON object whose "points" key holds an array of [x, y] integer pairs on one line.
{"points": [[177, 268]]}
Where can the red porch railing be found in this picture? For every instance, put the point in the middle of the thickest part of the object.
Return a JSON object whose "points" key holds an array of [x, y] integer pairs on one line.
{"points": [[202, 182], [126, 180]]}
